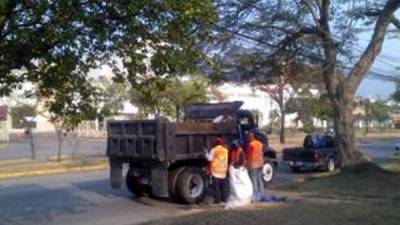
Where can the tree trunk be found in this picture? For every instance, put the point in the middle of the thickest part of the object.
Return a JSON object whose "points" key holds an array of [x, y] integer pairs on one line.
{"points": [[366, 127], [345, 136], [60, 139], [282, 127], [32, 145], [366, 108], [282, 132], [76, 143], [177, 113]]}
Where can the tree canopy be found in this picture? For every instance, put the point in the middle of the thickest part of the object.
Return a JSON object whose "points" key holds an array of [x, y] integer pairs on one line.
{"points": [[323, 34], [54, 44], [169, 96]]}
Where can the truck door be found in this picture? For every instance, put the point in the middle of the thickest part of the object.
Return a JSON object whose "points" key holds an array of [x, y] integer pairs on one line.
{"points": [[245, 123]]}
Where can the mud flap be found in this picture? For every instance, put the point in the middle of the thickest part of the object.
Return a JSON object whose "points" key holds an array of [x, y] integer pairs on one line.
{"points": [[116, 177], [159, 182]]}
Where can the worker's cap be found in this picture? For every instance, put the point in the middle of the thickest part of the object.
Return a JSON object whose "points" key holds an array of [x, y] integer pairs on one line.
{"points": [[219, 141], [250, 134]]}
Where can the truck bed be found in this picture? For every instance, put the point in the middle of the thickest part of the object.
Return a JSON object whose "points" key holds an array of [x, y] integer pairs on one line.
{"points": [[160, 140], [298, 154], [306, 155]]}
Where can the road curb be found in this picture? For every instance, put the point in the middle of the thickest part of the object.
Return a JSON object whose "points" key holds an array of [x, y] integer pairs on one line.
{"points": [[54, 170]]}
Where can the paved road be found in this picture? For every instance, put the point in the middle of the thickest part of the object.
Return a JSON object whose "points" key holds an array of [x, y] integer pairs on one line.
{"points": [[78, 198], [86, 198], [380, 150], [48, 147]]}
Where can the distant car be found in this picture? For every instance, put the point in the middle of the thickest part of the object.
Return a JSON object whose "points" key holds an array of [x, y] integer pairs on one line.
{"points": [[397, 146], [316, 154]]}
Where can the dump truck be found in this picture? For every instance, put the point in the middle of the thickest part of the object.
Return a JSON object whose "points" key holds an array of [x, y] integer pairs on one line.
{"points": [[166, 159]]}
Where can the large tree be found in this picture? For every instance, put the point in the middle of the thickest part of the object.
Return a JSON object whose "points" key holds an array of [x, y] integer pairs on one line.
{"points": [[317, 32], [54, 44], [169, 96]]}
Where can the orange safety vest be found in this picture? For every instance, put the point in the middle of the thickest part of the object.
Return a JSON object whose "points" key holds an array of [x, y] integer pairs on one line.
{"points": [[255, 154], [235, 156], [219, 164]]}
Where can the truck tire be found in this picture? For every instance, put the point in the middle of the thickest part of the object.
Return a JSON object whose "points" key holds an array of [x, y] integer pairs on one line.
{"points": [[133, 184], [172, 184], [191, 185], [330, 165], [296, 169], [268, 172]]}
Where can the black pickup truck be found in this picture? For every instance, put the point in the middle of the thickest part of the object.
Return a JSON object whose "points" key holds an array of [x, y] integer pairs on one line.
{"points": [[318, 152]]}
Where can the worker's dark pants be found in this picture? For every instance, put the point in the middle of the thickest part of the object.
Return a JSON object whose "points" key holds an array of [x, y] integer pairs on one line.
{"points": [[220, 189]]}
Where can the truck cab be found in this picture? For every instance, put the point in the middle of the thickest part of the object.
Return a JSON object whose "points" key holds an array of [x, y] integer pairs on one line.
{"points": [[244, 120]]}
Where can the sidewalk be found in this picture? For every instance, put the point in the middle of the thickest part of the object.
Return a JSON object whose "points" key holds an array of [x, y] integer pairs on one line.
{"points": [[27, 167]]}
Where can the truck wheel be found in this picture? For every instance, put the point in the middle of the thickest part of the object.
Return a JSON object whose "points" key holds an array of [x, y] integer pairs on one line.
{"points": [[330, 165], [296, 169], [268, 172], [191, 185], [172, 184], [133, 185]]}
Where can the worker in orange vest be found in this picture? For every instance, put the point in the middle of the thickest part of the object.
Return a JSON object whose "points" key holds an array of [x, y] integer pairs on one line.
{"points": [[255, 162], [218, 158], [238, 156]]}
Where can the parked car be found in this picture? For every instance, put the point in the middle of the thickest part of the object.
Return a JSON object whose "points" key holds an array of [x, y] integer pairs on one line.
{"points": [[318, 152]]}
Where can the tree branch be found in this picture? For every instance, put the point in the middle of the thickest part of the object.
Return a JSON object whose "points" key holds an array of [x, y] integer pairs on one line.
{"points": [[374, 13], [396, 22], [307, 4], [374, 47], [237, 33]]}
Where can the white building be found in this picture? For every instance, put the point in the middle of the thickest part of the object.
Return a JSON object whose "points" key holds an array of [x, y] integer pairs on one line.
{"points": [[254, 99]]}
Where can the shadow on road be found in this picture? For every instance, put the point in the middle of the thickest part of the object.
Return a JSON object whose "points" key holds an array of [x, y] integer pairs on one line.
{"points": [[36, 204], [101, 187]]}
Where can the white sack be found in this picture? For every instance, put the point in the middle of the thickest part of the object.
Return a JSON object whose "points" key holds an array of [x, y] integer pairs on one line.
{"points": [[241, 189]]}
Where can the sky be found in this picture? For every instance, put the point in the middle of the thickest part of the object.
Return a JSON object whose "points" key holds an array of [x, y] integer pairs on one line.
{"points": [[387, 63]]}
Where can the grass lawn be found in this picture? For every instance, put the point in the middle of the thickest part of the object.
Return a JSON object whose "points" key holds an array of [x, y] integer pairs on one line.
{"points": [[298, 213], [393, 164], [367, 181], [366, 196]]}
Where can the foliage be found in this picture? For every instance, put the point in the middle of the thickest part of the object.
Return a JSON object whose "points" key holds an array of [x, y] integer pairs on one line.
{"points": [[54, 44], [19, 116], [309, 106], [303, 105], [396, 94], [323, 109], [182, 93], [379, 111], [169, 96], [109, 96]]}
